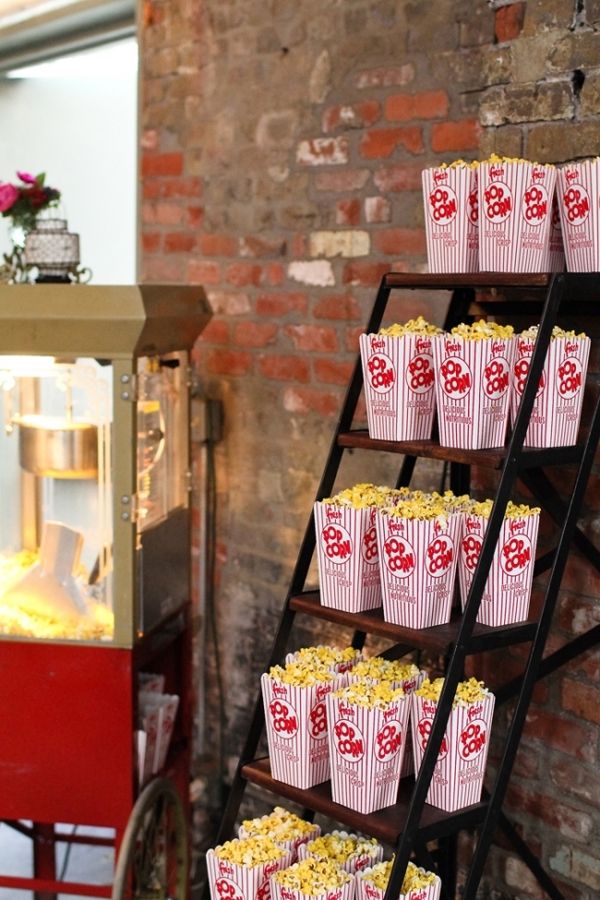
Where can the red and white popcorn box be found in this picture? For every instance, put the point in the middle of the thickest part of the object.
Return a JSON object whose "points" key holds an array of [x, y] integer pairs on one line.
{"points": [[457, 779], [473, 379], [344, 892], [296, 725], [366, 890], [515, 203], [399, 385], [358, 861], [556, 412], [450, 197], [507, 592], [347, 557], [578, 192], [158, 713], [417, 561], [228, 880], [366, 748]]}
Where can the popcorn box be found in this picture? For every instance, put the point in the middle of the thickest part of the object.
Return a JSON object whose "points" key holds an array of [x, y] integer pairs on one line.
{"points": [[450, 197], [578, 200], [417, 561], [296, 724], [366, 748], [398, 379], [558, 402], [230, 881], [347, 557], [344, 892], [355, 863], [457, 779], [515, 202], [408, 685], [158, 713], [507, 591], [473, 380], [367, 890]]}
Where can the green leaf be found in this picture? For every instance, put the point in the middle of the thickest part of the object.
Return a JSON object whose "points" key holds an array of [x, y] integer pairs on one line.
{"points": [[40, 179]]}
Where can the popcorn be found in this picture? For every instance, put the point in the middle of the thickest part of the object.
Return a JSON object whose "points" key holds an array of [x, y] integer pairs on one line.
{"points": [[470, 691], [513, 510], [349, 852], [365, 495], [323, 656], [282, 826], [385, 669], [313, 877], [415, 878], [301, 673], [413, 326], [241, 869], [372, 694], [482, 330], [557, 332], [250, 852], [451, 206]]}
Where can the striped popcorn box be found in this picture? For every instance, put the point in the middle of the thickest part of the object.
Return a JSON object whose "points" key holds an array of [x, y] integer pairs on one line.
{"points": [[457, 779], [578, 202], [343, 891], [472, 386], [399, 385], [366, 747], [507, 591], [296, 725], [351, 852], [418, 884], [515, 201], [417, 561], [347, 557], [228, 880], [450, 198], [557, 407]]}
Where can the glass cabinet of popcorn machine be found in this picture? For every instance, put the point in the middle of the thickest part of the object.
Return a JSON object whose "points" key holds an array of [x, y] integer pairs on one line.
{"points": [[94, 533]]}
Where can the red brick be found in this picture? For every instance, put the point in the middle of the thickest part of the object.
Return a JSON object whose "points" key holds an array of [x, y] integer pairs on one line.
{"points": [[345, 180], [252, 245], [332, 371], [463, 135], [399, 240], [427, 105], [162, 164], [159, 268], [364, 274], [352, 336], [313, 338], [179, 242], [305, 400], [155, 188], [559, 816], [228, 362], [242, 274], [202, 272], [581, 699], [403, 177], [216, 332], [273, 273], [561, 733], [356, 115], [277, 305], [285, 368], [255, 334], [161, 213], [377, 210], [151, 241], [323, 151], [338, 306], [194, 216], [382, 142], [347, 212], [508, 21], [218, 245]]}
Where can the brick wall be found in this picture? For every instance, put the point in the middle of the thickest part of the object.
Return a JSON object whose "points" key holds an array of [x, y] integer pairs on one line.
{"points": [[281, 151]]}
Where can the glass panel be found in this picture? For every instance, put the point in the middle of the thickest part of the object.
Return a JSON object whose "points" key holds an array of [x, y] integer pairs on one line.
{"points": [[56, 524]]}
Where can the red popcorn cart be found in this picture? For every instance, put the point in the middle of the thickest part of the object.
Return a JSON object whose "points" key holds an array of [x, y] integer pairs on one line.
{"points": [[95, 578]]}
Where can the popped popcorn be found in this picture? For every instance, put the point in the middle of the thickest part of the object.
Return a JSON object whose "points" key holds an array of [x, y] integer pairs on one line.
{"points": [[312, 876], [513, 510], [482, 330], [278, 825], [413, 326], [415, 878], [467, 692], [250, 852], [340, 847], [302, 674], [372, 694], [364, 495], [323, 655], [385, 669], [557, 332]]}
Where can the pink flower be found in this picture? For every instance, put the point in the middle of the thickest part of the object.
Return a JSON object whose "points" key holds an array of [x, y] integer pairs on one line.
{"points": [[8, 197], [26, 177]]}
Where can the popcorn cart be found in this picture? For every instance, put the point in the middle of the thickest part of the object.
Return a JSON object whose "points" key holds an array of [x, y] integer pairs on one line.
{"points": [[95, 578]]}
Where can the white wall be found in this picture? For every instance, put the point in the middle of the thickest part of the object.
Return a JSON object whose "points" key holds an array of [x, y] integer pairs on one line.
{"points": [[81, 129]]}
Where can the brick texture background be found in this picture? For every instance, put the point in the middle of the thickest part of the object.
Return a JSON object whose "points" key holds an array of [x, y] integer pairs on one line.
{"points": [[281, 151]]}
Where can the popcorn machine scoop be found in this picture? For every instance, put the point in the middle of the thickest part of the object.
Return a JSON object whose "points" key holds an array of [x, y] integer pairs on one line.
{"points": [[94, 542]]}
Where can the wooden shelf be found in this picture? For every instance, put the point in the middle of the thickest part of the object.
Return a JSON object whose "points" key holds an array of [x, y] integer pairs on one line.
{"points": [[386, 825], [531, 458], [489, 280], [439, 638]]}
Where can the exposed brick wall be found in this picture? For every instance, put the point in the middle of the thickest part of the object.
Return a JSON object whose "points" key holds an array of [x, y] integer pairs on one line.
{"points": [[282, 146]]}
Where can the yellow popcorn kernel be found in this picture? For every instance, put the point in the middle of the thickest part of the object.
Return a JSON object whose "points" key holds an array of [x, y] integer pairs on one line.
{"points": [[301, 674], [250, 852], [467, 692], [482, 330], [324, 655], [279, 825], [369, 693], [419, 326], [515, 159], [415, 878], [385, 669], [513, 510], [363, 496], [557, 332], [313, 876], [340, 846]]}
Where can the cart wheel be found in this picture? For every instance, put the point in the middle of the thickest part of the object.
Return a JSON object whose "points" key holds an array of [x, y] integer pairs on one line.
{"points": [[153, 859]]}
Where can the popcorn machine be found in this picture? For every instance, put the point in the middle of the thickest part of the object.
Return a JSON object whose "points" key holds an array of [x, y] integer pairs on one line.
{"points": [[94, 563]]}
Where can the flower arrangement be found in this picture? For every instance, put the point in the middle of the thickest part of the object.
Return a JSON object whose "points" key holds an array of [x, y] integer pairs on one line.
{"points": [[25, 201]]}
